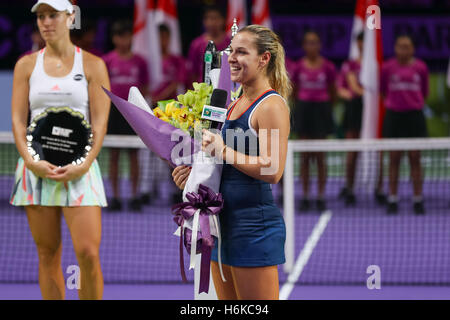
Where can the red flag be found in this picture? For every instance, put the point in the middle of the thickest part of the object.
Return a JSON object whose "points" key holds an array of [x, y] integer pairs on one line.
{"points": [[261, 13], [236, 10], [146, 39], [166, 12]]}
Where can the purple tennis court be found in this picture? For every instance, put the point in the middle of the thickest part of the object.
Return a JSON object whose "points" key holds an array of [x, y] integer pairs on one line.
{"points": [[365, 75]]}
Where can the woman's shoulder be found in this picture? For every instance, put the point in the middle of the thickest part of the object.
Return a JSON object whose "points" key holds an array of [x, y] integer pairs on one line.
{"points": [[272, 110], [390, 63], [300, 62], [296, 66], [26, 63], [175, 59], [139, 58], [109, 55], [92, 64], [273, 102], [199, 41], [354, 64], [328, 64], [420, 64]]}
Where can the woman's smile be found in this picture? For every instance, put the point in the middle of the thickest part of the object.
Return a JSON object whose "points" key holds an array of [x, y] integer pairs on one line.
{"points": [[235, 69]]}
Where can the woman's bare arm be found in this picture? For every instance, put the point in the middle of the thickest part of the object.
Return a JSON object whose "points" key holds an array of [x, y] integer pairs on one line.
{"points": [[99, 103], [20, 105], [353, 83], [273, 127]]}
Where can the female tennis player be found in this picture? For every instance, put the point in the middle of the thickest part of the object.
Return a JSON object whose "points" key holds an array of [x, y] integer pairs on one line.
{"points": [[404, 84], [252, 226], [61, 74], [314, 78]]}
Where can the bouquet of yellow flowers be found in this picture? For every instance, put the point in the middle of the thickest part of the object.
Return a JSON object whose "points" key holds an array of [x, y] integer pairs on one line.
{"points": [[185, 112]]}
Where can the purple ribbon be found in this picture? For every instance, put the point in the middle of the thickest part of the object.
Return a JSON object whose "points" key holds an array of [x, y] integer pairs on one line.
{"points": [[209, 203]]}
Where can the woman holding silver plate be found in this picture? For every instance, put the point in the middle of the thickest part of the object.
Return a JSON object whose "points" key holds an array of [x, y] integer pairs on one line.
{"points": [[61, 75]]}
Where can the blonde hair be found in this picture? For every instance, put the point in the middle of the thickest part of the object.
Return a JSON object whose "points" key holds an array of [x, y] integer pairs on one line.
{"points": [[267, 40]]}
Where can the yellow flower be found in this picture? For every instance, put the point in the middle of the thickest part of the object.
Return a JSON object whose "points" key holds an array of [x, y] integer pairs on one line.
{"points": [[190, 119], [158, 112], [170, 107], [182, 116], [175, 113], [164, 118]]}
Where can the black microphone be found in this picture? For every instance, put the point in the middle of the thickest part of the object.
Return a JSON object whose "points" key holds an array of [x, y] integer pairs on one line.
{"points": [[216, 112], [208, 60]]}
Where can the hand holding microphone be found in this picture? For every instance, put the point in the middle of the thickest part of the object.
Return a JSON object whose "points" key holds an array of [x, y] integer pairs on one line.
{"points": [[212, 143]]}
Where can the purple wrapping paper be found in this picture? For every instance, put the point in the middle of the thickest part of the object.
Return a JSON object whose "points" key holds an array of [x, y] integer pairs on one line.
{"points": [[155, 133], [225, 82]]}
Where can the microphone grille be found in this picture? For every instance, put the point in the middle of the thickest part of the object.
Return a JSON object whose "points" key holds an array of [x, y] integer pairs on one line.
{"points": [[219, 98]]}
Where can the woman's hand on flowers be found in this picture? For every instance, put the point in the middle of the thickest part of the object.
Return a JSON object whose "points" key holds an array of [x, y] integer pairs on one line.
{"points": [[180, 175], [212, 144]]}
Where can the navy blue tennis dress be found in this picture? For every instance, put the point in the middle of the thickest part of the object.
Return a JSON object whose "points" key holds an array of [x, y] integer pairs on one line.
{"points": [[252, 227]]}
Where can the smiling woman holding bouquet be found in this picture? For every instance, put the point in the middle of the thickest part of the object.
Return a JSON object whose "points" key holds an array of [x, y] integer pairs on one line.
{"points": [[252, 227], [61, 75]]}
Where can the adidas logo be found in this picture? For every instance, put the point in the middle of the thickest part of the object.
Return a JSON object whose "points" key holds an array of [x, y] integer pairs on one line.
{"points": [[55, 88]]}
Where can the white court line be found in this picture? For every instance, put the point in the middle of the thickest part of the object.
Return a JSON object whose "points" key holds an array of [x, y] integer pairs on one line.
{"points": [[305, 254]]}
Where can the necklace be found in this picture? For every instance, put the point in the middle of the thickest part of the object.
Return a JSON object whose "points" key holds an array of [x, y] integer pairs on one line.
{"points": [[58, 65]]}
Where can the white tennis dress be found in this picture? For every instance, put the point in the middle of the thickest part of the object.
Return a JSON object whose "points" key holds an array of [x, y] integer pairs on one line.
{"points": [[46, 91]]}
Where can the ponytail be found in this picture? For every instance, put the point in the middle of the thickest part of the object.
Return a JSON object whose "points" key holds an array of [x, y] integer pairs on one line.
{"points": [[267, 40]]}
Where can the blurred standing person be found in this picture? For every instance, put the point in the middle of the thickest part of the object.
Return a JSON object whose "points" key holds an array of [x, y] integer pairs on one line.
{"points": [[404, 85], [314, 78], [85, 37], [37, 42], [173, 66], [174, 77], [125, 69], [214, 23], [350, 90]]}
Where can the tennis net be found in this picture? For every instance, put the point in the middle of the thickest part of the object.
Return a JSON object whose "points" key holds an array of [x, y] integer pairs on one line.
{"points": [[136, 247], [344, 243], [332, 246]]}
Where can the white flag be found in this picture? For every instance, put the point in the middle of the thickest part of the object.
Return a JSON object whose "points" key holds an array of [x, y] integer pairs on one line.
{"points": [[357, 28], [166, 12]]}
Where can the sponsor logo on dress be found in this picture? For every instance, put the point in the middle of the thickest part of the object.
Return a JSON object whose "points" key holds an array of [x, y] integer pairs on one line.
{"points": [[78, 77]]}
